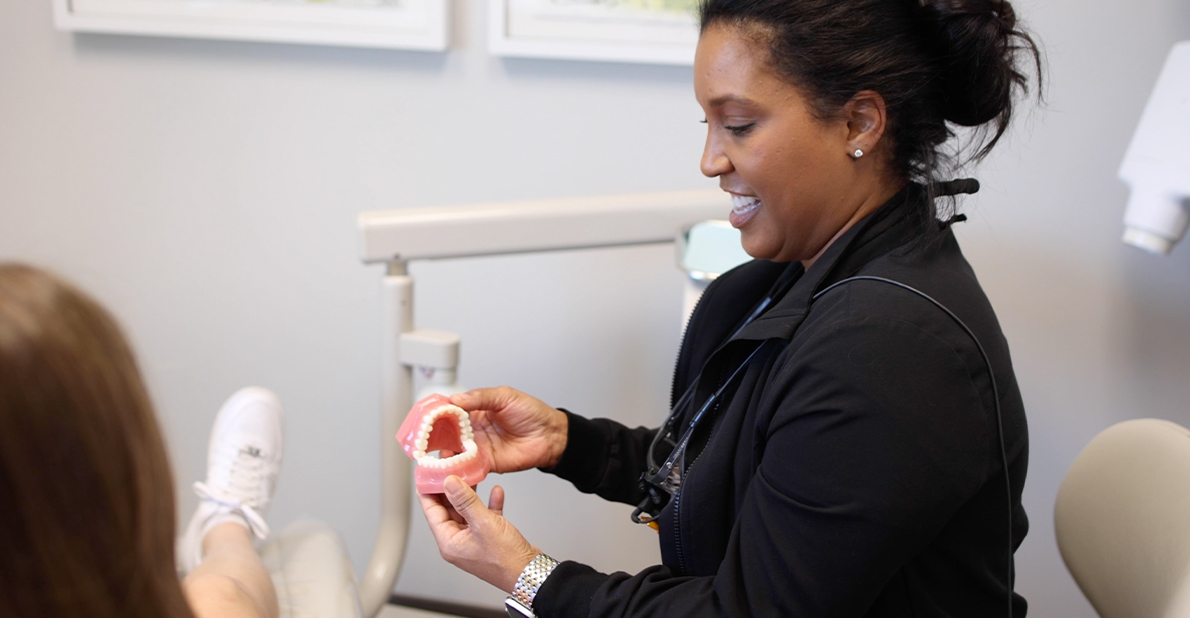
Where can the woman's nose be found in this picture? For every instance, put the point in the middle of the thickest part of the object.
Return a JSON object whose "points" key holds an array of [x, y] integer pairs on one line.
{"points": [[714, 162]]}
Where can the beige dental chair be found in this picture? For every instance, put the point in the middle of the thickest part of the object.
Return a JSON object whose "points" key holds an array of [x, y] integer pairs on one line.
{"points": [[312, 573], [1122, 519]]}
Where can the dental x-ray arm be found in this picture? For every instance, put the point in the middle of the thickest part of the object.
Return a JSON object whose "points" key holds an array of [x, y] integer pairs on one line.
{"points": [[1157, 164]]}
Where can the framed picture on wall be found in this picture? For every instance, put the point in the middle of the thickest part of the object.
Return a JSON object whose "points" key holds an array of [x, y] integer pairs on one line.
{"points": [[642, 31], [399, 24]]}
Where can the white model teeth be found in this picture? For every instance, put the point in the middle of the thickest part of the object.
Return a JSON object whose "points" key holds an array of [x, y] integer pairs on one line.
{"points": [[470, 450], [744, 204]]}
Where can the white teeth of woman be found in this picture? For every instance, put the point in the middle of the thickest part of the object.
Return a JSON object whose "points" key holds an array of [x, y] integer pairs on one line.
{"points": [[465, 434], [743, 204]]}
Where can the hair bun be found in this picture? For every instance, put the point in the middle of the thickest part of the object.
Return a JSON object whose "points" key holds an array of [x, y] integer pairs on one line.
{"points": [[977, 42]]}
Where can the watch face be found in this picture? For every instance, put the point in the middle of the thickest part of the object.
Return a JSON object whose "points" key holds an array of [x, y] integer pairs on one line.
{"points": [[516, 610]]}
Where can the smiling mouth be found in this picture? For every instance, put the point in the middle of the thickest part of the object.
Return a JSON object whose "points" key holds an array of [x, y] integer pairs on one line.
{"points": [[743, 204], [435, 427]]}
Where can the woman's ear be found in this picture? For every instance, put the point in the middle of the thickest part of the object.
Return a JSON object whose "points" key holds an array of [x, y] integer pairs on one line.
{"points": [[866, 118]]}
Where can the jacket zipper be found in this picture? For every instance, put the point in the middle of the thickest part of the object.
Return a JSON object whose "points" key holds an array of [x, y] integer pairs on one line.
{"points": [[673, 397], [678, 512], [673, 385], [678, 533], [677, 499]]}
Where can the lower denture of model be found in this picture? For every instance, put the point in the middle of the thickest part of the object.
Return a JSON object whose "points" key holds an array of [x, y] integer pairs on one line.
{"points": [[435, 424]]}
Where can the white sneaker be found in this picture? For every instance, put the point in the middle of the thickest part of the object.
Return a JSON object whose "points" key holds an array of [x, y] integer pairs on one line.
{"points": [[243, 462]]}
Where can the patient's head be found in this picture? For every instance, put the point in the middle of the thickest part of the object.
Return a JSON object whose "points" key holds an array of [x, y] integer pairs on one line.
{"points": [[86, 500]]}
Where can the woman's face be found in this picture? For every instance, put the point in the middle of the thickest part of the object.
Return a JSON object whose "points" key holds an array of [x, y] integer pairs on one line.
{"points": [[790, 174]]}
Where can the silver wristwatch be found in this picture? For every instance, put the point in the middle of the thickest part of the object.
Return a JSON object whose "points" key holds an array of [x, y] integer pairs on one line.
{"points": [[520, 604]]}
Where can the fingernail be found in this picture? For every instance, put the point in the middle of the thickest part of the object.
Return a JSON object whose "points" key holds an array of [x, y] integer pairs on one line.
{"points": [[453, 485]]}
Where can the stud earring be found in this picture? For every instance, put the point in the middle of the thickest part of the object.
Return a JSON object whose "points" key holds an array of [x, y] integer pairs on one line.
{"points": [[858, 153]]}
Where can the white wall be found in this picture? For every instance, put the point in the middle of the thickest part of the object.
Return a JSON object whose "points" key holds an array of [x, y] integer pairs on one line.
{"points": [[207, 192]]}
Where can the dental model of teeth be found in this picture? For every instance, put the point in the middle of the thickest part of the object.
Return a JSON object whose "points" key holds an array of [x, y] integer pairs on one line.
{"points": [[435, 424]]}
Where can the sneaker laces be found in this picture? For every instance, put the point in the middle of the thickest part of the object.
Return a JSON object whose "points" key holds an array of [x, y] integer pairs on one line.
{"points": [[242, 490]]}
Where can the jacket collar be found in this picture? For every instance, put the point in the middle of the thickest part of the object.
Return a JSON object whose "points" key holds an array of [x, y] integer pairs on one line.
{"points": [[893, 225]]}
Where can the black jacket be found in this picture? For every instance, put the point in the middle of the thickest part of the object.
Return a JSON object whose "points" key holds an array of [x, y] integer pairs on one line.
{"points": [[855, 470]]}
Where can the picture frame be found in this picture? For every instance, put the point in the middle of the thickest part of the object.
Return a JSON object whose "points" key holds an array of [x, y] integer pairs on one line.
{"points": [[393, 24], [599, 30]]}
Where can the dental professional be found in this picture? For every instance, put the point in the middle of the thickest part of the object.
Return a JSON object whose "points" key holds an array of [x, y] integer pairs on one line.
{"points": [[847, 437]]}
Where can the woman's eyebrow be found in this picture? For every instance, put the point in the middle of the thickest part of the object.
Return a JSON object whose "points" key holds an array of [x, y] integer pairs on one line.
{"points": [[730, 98]]}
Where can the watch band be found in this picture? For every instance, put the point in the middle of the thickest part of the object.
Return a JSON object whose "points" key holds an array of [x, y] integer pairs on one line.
{"points": [[516, 610], [531, 579]]}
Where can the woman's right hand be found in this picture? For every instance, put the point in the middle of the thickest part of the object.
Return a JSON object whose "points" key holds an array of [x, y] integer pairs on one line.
{"points": [[518, 431]]}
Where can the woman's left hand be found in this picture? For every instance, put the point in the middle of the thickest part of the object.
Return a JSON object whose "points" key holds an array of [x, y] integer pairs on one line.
{"points": [[475, 538]]}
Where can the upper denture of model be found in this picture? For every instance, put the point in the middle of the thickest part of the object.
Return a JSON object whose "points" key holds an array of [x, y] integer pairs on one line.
{"points": [[436, 425]]}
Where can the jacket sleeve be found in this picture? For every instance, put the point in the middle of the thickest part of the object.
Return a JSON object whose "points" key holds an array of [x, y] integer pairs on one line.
{"points": [[605, 458], [877, 436]]}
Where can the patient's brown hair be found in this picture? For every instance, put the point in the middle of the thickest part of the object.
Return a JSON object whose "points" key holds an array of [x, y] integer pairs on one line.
{"points": [[86, 499]]}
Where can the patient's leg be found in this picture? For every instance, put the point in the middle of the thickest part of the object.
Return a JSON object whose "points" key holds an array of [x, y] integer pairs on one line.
{"points": [[231, 581], [224, 575]]}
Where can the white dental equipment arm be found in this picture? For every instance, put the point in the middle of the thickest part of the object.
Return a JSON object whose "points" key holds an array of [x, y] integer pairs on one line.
{"points": [[397, 236], [1157, 164]]}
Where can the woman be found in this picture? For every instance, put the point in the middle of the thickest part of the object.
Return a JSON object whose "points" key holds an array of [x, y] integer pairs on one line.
{"points": [[859, 444], [87, 501]]}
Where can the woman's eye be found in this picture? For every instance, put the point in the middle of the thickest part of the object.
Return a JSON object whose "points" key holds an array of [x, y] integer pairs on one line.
{"points": [[739, 129]]}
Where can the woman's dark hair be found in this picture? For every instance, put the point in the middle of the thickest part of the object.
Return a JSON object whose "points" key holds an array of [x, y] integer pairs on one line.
{"points": [[933, 61], [86, 498]]}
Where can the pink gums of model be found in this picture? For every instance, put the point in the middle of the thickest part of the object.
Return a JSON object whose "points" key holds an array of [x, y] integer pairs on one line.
{"points": [[435, 424]]}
